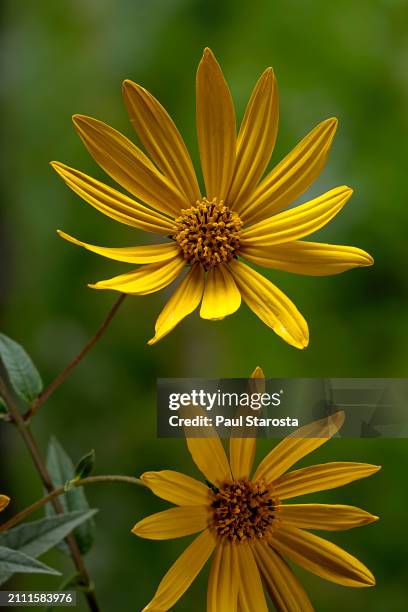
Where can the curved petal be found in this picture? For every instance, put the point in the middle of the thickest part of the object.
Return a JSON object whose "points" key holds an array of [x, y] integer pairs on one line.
{"points": [[284, 588], [221, 295], [272, 306], [151, 253], [322, 557], [216, 129], [147, 279], [330, 517], [321, 477], [209, 456], [161, 138], [4, 502], [293, 175], [251, 595], [177, 488], [311, 258], [297, 445], [223, 584], [184, 300], [182, 573], [128, 166], [256, 139], [173, 523], [112, 203], [297, 222]]}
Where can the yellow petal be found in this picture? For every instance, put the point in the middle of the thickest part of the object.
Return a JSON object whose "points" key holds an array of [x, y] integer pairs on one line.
{"points": [[182, 573], [297, 445], [114, 204], [206, 449], [128, 166], [293, 175], [311, 258], [177, 488], [322, 557], [222, 595], [242, 450], [216, 127], [150, 253], [297, 222], [256, 139], [283, 587], [330, 517], [242, 454], [221, 295], [321, 477], [258, 373], [161, 138], [4, 502], [272, 306], [173, 523], [184, 300], [209, 456], [251, 595], [146, 279]]}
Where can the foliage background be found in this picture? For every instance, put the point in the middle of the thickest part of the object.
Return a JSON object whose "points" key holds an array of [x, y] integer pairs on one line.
{"points": [[347, 59]]}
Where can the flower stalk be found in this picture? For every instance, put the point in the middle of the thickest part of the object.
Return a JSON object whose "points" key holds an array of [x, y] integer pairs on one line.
{"points": [[52, 495]]}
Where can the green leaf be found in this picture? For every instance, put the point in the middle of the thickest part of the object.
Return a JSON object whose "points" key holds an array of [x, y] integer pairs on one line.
{"points": [[85, 465], [22, 373], [36, 537], [61, 470], [16, 562]]}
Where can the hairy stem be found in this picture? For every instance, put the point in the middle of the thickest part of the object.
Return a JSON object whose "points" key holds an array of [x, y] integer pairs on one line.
{"points": [[39, 463], [18, 518], [36, 405]]}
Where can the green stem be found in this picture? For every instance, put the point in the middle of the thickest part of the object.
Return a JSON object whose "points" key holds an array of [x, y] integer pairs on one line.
{"points": [[18, 518], [39, 463]]}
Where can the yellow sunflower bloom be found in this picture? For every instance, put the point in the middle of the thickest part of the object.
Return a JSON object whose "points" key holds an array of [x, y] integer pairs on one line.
{"points": [[4, 502], [239, 218], [248, 527]]}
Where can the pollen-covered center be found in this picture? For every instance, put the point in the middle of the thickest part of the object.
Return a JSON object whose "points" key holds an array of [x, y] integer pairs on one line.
{"points": [[208, 233], [243, 510]]}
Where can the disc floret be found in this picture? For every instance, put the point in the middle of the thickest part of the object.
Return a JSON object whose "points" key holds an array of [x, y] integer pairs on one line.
{"points": [[243, 510], [208, 233]]}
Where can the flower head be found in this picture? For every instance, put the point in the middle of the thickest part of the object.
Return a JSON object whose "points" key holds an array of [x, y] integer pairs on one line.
{"points": [[247, 526], [240, 217], [4, 502]]}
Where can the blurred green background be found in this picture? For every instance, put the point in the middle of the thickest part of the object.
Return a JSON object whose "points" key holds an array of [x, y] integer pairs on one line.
{"points": [[348, 59]]}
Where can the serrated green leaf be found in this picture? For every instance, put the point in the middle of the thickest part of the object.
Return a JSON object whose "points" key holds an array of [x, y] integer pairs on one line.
{"points": [[16, 562], [23, 375], [61, 470], [85, 465]]}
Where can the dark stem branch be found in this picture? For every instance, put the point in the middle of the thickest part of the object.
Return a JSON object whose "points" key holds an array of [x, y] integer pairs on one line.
{"points": [[39, 463], [62, 375], [20, 516]]}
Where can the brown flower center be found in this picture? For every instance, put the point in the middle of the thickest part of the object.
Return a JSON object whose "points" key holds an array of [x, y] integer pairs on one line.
{"points": [[208, 233], [243, 510]]}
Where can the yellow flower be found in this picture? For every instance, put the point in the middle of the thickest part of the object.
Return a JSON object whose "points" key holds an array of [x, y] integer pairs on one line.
{"points": [[4, 502], [240, 216], [248, 526]]}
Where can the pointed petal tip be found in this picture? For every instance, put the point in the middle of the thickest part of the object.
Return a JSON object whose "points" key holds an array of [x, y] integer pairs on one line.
{"points": [[258, 373], [4, 502]]}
